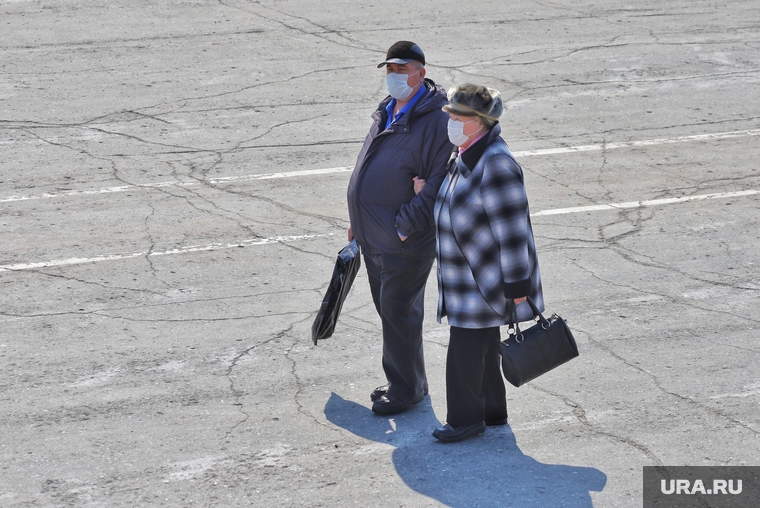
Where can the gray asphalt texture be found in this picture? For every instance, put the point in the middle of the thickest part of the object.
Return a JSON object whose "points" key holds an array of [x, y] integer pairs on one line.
{"points": [[166, 242]]}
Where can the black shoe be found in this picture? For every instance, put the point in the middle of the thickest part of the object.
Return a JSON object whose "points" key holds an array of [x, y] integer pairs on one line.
{"points": [[497, 421], [378, 392], [390, 405], [382, 390], [449, 434]]}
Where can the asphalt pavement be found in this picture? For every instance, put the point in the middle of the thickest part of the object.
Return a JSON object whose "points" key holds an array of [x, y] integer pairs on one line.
{"points": [[172, 200]]}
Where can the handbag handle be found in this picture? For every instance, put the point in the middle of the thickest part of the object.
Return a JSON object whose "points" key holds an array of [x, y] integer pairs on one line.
{"points": [[513, 320]]}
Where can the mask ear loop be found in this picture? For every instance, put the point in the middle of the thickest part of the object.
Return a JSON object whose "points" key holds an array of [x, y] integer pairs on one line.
{"points": [[410, 75], [479, 131]]}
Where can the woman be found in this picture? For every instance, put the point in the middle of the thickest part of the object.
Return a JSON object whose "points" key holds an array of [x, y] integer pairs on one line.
{"points": [[486, 257]]}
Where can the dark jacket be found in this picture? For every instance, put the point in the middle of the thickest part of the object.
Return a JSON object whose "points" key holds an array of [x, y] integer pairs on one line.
{"points": [[381, 195]]}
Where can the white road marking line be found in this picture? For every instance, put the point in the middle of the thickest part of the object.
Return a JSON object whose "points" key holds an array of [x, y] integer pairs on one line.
{"points": [[736, 395], [181, 250], [634, 144], [185, 183], [642, 204], [327, 171], [282, 239]]}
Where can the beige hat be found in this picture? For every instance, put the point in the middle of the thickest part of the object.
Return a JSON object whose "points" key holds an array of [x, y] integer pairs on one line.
{"points": [[475, 100]]}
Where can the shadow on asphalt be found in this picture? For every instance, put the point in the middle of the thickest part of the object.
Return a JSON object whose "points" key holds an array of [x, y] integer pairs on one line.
{"points": [[489, 470]]}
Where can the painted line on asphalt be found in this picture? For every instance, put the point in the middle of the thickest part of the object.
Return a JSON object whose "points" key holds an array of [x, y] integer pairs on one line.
{"points": [[643, 143], [181, 250], [328, 171], [643, 204], [284, 239], [185, 183]]}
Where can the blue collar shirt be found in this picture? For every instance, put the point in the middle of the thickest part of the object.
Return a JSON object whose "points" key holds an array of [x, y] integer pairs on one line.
{"points": [[406, 109]]}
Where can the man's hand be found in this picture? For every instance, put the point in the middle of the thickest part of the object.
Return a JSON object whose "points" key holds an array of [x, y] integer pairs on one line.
{"points": [[520, 300], [350, 234], [419, 184]]}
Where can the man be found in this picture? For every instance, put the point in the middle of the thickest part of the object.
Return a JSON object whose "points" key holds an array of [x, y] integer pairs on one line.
{"points": [[391, 196]]}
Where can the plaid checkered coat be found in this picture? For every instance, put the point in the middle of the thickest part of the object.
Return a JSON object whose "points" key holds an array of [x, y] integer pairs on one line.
{"points": [[485, 249]]}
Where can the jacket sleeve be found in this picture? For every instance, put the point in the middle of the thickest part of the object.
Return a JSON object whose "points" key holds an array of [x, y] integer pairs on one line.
{"points": [[417, 214], [506, 204]]}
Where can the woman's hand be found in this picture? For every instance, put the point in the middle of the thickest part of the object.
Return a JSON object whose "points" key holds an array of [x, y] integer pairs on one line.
{"points": [[419, 184], [520, 300], [350, 234]]}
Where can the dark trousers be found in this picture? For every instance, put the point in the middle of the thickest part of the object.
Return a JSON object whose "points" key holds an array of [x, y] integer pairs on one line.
{"points": [[474, 387], [397, 284]]}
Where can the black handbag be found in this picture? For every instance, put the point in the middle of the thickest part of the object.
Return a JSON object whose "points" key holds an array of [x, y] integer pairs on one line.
{"points": [[526, 354], [346, 266]]}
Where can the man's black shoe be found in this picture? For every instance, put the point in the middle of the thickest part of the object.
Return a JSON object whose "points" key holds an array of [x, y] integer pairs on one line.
{"points": [[390, 405], [378, 392], [497, 421], [449, 434], [382, 390]]}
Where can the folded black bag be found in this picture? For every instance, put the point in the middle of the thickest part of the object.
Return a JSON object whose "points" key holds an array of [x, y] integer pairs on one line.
{"points": [[526, 354], [343, 276]]}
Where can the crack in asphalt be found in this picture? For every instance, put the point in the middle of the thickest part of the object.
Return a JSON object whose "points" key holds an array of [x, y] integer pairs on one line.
{"points": [[200, 320], [637, 219], [110, 311], [300, 388], [90, 43], [320, 33], [83, 281], [238, 394], [240, 220], [629, 255], [151, 246], [580, 415], [671, 299], [671, 393]]}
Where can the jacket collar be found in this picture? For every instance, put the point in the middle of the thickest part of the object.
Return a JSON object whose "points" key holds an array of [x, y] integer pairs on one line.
{"points": [[433, 98]]}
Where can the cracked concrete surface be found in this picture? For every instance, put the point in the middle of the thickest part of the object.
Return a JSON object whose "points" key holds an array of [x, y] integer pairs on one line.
{"points": [[168, 360]]}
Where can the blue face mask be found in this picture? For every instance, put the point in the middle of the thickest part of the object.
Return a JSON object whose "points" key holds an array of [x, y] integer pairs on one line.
{"points": [[397, 86]]}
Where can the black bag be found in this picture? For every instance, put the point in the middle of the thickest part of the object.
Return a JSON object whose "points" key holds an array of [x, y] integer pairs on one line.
{"points": [[346, 266], [527, 354]]}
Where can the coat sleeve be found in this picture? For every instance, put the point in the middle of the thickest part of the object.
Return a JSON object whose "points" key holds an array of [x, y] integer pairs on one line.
{"points": [[417, 214], [506, 204]]}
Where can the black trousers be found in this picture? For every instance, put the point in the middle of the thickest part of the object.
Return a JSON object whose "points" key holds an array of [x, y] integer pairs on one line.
{"points": [[398, 284], [474, 386]]}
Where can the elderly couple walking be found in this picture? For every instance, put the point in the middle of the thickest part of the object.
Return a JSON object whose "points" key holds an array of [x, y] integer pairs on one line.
{"points": [[434, 181]]}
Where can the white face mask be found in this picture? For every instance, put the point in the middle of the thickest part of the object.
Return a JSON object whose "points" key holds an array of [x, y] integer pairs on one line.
{"points": [[397, 86], [456, 131]]}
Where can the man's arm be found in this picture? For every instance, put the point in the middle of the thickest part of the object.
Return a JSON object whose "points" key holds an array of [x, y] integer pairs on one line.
{"points": [[417, 215]]}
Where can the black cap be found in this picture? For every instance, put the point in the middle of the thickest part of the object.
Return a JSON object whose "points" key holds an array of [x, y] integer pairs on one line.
{"points": [[403, 52]]}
